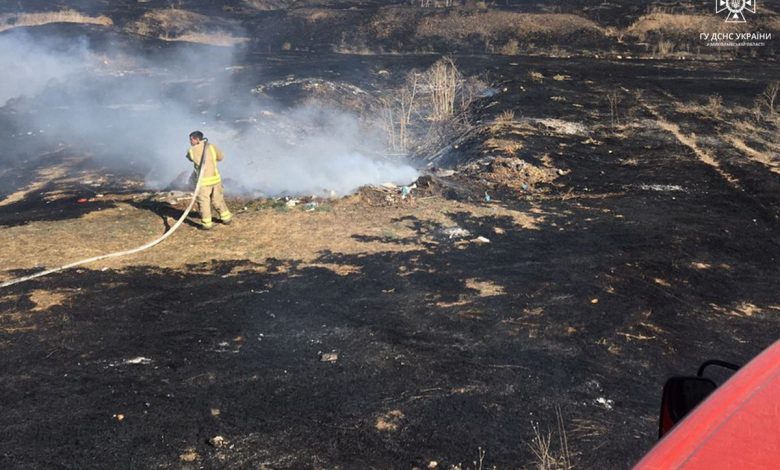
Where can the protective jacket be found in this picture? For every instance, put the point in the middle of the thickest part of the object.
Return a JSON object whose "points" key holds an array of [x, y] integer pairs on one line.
{"points": [[210, 176]]}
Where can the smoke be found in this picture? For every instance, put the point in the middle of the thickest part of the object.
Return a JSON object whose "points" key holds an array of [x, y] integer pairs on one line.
{"points": [[25, 77], [132, 110]]}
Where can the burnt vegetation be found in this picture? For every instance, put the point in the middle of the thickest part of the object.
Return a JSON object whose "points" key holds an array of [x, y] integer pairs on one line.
{"points": [[596, 208]]}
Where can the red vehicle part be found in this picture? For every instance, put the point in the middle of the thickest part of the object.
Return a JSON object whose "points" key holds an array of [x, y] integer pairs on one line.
{"points": [[737, 427]]}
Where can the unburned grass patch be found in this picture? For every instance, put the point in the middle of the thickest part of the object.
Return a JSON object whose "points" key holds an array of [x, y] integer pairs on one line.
{"points": [[19, 20], [45, 299], [670, 25], [494, 25], [389, 422], [400, 28], [485, 288], [182, 25]]}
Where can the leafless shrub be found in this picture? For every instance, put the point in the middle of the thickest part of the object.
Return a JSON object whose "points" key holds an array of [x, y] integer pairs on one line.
{"points": [[478, 464], [512, 47], [764, 107], [614, 32], [768, 97], [429, 107], [613, 99], [547, 456], [664, 48], [442, 80], [397, 112], [354, 48], [714, 106]]}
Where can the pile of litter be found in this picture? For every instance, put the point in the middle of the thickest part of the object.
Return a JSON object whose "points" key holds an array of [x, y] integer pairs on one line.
{"points": [[510, 173], [389, 194]]}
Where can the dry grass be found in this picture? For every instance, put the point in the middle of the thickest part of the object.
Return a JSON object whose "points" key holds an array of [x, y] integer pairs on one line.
{"points": [[45, 299], [512, 47], [704, 266], [317, 15], [671, 25], [43, 177], [585, 429], [257, 234], [670, 32], [742, 309], [489, 25], [37, 19], [507, 147], [485, 288], [506, 117], [714, 106], [389, 422], [548, 455], [688, 107], [768, 159], [182, 25], [664, 48], [266, 5], [690, 141], [213, 39], [766, 103], [389, 22]]}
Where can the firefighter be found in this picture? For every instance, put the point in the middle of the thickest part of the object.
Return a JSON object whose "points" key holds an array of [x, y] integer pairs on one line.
{"points": [[211, 191]]}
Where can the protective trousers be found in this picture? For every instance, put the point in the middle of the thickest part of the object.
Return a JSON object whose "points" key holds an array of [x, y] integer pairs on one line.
{"points": [[212, 195]]}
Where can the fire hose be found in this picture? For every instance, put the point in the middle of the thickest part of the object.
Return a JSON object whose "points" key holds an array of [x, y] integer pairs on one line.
{"points": [[125, 252]]}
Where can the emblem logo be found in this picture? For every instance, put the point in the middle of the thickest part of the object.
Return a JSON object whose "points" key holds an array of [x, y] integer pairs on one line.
{"points": [[735, 9]]}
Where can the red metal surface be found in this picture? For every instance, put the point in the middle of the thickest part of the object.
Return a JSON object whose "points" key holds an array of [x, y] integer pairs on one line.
{"points": [[737, 427]]}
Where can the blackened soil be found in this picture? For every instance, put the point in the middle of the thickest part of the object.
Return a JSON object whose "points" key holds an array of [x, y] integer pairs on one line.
{"points": [[644, 263]]}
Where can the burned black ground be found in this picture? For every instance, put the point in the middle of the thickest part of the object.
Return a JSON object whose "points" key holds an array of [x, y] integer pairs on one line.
{"points": [[643, 262]]}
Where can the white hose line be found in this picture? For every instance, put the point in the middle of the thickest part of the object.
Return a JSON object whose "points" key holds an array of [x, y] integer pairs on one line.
{"points": [[115, 254]]}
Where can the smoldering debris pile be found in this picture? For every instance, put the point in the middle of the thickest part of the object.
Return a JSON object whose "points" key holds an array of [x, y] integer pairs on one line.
{"points": [[510, 173], [389, 194]]}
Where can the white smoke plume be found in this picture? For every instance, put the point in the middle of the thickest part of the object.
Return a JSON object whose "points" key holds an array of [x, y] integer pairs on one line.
{"points": [[131, 110], [28, 66]]}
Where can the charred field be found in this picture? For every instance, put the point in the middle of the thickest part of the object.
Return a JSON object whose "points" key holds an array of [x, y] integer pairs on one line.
{"points": [[629, 223]]}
